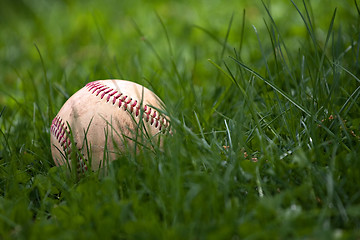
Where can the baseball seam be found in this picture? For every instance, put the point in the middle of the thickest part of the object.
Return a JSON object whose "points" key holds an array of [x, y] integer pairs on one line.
{"points": [[133, 106], [60, 131]]}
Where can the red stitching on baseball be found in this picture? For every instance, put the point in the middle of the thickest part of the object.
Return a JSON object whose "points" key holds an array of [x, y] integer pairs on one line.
{"points": [[147, 113], [150, 115], [59, 130], [101, 89], [132, 106], [116, 97], [106, 92], [110, 95], [93, 86]]}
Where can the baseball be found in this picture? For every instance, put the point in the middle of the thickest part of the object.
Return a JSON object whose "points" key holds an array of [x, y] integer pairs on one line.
{"points": [[104, 118]]}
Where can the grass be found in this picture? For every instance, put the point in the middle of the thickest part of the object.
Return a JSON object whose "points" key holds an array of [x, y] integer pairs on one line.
{"points": [[263, 99]]}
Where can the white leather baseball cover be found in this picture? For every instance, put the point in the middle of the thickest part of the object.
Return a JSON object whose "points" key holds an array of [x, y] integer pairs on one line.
{"points": [[106, 113]]}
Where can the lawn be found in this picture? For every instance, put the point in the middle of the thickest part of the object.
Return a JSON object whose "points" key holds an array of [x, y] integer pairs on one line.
{"points": [[263, 99]]}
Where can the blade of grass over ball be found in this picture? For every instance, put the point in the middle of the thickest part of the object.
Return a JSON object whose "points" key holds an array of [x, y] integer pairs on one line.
{"points": [[106, 158], [88, 145]]}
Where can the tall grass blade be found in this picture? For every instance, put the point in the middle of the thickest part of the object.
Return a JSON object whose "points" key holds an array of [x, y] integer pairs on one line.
{"points": [[273, 86], [47, 85], [229, 75], [226, 37]]}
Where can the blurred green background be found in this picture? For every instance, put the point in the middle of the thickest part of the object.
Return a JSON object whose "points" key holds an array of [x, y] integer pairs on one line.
{"points": [[87, 40]]}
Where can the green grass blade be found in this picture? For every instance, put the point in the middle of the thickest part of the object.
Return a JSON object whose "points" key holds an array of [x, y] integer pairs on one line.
{"points": [[226, 37], [230, 76], [273, 86]]}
